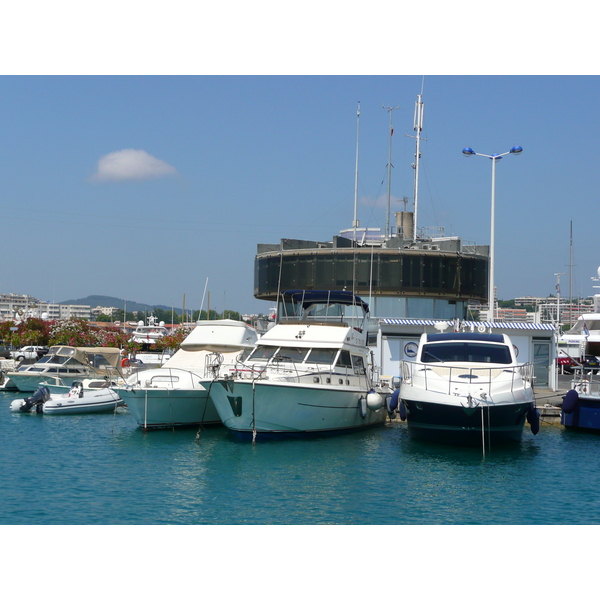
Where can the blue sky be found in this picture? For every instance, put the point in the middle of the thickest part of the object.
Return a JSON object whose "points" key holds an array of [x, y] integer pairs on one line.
{"points": [[143, 186]]}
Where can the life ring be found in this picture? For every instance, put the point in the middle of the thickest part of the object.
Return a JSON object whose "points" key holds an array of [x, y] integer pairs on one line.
{"points": [[481, 328], [125, 362]]}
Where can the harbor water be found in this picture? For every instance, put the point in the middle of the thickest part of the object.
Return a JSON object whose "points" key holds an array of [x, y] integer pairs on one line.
{"points": [[102, 469]]}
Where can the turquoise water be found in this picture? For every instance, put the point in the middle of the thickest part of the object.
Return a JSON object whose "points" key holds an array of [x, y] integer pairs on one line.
{"points": [[102, 469]]}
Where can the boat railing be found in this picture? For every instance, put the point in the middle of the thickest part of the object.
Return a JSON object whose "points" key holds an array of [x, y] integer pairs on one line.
{"points": [[584, 382], [299, 372], [432, 374], [167, 377]]}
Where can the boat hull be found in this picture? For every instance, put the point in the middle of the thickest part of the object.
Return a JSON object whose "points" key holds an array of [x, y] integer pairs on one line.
{"points": [[31, 382], [585, 414], [461, 425], [165, 408], [271, 409], [63, 404]]}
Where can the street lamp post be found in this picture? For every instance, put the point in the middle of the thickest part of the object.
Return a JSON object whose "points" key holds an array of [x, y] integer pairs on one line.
{"points": [[493, 157]]}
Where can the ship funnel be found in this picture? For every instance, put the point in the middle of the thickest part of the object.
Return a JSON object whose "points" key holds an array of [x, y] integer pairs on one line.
{"points": [[405, 224]]}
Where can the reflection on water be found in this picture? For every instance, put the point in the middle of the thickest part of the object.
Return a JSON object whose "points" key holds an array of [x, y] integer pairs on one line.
{"points": [[96, 469]]}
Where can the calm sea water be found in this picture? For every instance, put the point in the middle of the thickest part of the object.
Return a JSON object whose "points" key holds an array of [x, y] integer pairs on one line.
{"points": [[102, 469]]}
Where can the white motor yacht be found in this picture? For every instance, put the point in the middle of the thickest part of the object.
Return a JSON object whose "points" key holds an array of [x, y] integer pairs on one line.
{"points": [[311, 374], [468, 389]]}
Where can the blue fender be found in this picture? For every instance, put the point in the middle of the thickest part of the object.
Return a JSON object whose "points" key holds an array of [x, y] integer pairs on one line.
{"points": [[402, 411], [393, 401], [533, 418], [570, 401]]}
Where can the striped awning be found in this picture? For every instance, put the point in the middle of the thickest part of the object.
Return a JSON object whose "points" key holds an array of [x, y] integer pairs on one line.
{"points": [[471, 324]]}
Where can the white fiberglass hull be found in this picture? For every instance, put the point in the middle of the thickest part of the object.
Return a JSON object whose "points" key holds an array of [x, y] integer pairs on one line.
{"points": [[278, 409], [468, 414], [162, 408], [29, 382]]}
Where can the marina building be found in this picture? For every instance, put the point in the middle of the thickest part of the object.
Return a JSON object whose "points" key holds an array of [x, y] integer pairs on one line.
{"points": [[413, 285]]}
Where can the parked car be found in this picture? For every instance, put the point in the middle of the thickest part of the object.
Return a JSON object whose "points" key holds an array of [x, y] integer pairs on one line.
{"points": [[29, 352], [588, 362]]}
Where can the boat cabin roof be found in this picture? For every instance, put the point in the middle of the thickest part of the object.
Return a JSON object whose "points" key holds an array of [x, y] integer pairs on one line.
{"points": [[497, 338]]}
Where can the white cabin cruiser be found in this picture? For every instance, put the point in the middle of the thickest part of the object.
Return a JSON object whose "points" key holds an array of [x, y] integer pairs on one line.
{"points": [[467, 389], [311, 374], [70, 363], [177, 394], [87, 396]]}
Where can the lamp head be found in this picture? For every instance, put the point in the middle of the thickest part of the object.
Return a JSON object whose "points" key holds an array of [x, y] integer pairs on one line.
{"points": [[468, 151], [516, 150]]}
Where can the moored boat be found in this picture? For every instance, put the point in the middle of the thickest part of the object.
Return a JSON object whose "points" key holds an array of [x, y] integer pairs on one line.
{"points": [[177, 394], [311, 374], [82, 398], [147, 336], [581, 404], [70, 364], [467, 389]]}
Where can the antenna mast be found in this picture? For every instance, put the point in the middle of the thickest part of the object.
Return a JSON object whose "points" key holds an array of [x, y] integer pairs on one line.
{"points": [[418, 127], [389, 170]]}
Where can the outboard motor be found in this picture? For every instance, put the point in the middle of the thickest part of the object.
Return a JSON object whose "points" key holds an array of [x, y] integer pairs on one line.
{"points": [[76, 390], [41, 395]]}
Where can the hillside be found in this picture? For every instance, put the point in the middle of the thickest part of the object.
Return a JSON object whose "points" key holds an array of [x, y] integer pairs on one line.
{"points": [[132, 306]]}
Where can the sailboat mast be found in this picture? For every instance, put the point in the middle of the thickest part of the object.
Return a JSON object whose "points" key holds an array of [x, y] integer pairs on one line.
{"points": [[571, 276], [355, 221], [389, 173], [418, 127]]}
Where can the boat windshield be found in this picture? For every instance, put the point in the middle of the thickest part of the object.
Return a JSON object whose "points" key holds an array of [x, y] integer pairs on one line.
{"points": [[578, 328], [466, 352], [263, 353], [286, 354], [48, 358]]}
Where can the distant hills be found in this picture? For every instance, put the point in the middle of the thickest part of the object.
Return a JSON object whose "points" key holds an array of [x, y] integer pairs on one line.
{"points": [[119, 303]]}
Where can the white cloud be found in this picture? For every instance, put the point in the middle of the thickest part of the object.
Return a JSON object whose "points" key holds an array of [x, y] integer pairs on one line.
{"points": [[131, 164]]}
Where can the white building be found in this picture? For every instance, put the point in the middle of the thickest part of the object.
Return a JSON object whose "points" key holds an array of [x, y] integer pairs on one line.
{"points": [[13, 306]]}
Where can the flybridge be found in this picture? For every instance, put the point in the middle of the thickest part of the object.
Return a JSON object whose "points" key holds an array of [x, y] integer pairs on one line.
{"points": [[320, 305]]}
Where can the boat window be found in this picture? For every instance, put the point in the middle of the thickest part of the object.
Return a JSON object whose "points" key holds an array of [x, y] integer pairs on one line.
{"points": [[98, 360], [358, 364], [263, 353], [243, 355], [286, 354], [322, 355], [65, 351], [344, 359], [466, 352]]}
